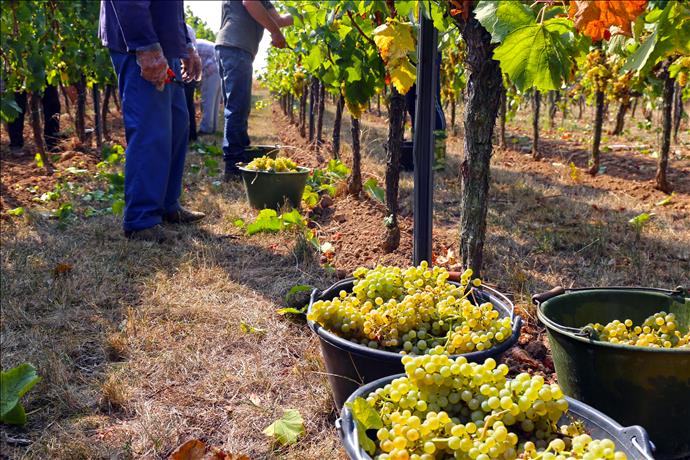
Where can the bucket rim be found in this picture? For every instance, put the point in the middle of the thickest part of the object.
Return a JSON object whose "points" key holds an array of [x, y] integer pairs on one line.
{"points": [[385, 355], [555, 327], [638, 435]]}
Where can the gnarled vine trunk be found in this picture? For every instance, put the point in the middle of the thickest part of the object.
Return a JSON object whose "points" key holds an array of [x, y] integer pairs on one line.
{"points": [[536, 104], [666, 109], [484, 87], [96, 94], [396, 110], [35, 106], [595, 160], [319, 120], [677, 110], [620, 117], [303, 112], [313, 95], [337, 123], [80, 116], [354, 183], [105, 110], [502, 113]]}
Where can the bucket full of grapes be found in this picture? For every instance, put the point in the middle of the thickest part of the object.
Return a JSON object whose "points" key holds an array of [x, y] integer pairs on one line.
{"points": [[368, 323], [625, 351], [273, 182], [444, 408]]}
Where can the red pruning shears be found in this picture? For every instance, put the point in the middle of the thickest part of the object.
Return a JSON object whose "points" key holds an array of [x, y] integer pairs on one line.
{"points": [[171, 78]]}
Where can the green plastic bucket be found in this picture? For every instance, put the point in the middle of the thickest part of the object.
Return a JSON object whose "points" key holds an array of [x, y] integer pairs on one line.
{"points": [[642, 386], [274, 189]]}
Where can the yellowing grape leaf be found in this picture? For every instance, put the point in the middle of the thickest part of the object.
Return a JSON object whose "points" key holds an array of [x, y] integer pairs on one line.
{"points": [[196, 449], [395, 40], [403, 75], [595, 17], [288, 428], [574, 172]]}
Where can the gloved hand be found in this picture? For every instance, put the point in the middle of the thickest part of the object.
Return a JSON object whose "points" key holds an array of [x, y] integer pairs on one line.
{"points": [[191, 66], [153, 65]]}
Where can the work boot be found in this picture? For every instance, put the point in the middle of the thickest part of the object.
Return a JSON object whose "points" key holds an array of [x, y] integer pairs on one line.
{"points": [[155, 234], [183, 216]]}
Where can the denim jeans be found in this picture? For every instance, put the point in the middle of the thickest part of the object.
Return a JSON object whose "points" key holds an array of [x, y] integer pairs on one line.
{"points": [[210, 102], [156, 129], [235, 66]]}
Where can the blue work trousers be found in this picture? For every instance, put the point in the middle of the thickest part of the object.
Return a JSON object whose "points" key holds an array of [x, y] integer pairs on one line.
{"points": [[235, 66], [156, 129]]}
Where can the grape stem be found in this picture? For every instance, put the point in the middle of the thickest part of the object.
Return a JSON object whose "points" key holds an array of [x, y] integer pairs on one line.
{"points": [[491, 420]]}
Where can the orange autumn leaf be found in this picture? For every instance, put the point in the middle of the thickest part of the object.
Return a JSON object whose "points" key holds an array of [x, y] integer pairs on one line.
{"points": [[594, 17]]}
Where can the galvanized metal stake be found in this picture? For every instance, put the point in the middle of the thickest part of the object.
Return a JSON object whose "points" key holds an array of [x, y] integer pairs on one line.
{"points": [[424, 140]]}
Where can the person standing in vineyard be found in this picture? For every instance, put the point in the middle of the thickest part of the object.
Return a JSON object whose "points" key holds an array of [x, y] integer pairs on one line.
{"points": [[210, 87], [242, 26], [147, 40]]}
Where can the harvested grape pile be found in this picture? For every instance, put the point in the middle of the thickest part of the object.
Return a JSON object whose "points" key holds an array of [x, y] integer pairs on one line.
{"points": [[661, 330], [446, 408], [280, 164], [414, 310]]}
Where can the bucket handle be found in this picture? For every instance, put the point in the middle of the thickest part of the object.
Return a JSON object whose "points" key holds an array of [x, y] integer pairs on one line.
{"points": [[639, 448]]}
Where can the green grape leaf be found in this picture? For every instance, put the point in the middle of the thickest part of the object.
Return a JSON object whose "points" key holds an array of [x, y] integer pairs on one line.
{"points": [[374, 190], [366, 418], [118, 207], [14, 384], [314, 60], [533, 56], [292, 218], [502, 17], [16, 211], [640, 220], [286, 429], [266, 221], [365, 414]]}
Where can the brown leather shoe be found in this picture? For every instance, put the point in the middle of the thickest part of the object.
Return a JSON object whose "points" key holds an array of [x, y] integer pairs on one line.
{"points": [[183, 216], [155, 234]]}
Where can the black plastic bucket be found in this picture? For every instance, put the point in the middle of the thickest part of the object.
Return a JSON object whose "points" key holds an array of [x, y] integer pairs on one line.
{"points": [[274, 189], [634, 385], [350, 365], [632, 440]]}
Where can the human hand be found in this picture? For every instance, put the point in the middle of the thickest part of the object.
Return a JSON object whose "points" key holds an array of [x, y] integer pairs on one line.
{"points": [[153, 66], [278, 39], [191, 67]]}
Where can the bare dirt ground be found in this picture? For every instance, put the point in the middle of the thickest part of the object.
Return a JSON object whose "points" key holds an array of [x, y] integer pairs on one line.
{"points": [[141, 347]]}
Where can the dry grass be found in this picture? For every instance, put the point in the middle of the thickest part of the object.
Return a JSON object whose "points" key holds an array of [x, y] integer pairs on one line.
{"points": [[140, 346]]}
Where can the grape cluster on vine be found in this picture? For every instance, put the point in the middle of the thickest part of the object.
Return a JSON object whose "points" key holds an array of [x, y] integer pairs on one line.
{"points": [[445, 408], [660, 330], [413, 311]]}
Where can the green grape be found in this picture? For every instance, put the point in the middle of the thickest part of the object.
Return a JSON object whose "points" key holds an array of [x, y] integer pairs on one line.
{"points": [[660, 330], [280, 164], [413, 311], [431, 423]]}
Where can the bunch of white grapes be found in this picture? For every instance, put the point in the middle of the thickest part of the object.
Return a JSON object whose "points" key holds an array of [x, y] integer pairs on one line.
{"points": [[413, 311], [446, 408]]}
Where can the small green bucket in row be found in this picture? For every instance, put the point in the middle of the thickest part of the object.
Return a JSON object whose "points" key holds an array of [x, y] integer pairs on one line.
{"points": [[634, 385]]}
